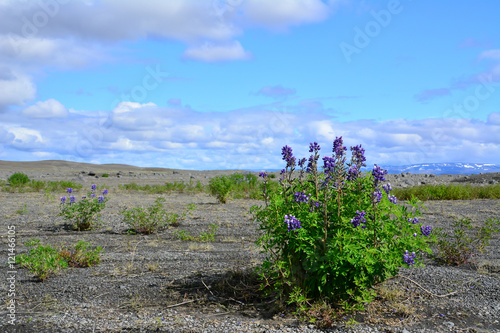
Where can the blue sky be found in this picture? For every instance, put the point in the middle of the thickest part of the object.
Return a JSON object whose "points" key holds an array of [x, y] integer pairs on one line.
{"points": [[225, 84]]}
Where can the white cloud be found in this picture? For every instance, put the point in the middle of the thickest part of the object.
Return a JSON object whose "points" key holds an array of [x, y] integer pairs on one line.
{"points": [[282, 14], [48, 109], [15, 89], [210, 52]]}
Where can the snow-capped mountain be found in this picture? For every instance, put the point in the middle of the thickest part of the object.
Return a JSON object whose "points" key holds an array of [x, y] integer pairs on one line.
{"points": [[445, 168]]}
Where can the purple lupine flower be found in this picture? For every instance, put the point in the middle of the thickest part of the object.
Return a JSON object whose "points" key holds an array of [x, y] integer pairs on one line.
{"points": [[353, 173], [263, 175], [287, 154], [415, 235], [328, 164], [314, 147], [69, 190], [93, 187], [100, 199], [313, 159], [393, 199], [358, 219], [301, 197], [92, 195], [63, 200], [358, 155], [338, 147], [302, 161], [292, 222], [409, 258], [378, 173], [72, 199], [426, 230], [377, 196], [105, 191], [413, 220], [387, 188]]}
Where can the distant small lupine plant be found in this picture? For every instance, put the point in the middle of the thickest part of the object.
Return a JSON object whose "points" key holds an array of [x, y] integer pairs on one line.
{"points": [[331, 234], [84, 214]]}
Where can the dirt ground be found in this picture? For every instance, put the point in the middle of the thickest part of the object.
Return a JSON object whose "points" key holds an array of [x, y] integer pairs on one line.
{"points": [[145, 275]]}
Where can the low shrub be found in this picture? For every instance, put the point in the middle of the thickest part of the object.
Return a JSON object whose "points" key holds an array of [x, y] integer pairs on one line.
{"points": [[44, 261], [105, 175], [81, 255], [84, 214], [203, 237], [462, 245], [330, 235], [150, 220], [220, 187], [18, 179]]}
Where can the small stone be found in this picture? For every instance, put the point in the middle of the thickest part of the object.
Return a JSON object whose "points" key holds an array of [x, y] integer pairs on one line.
{"points": [[91, 173], [449, 324]]}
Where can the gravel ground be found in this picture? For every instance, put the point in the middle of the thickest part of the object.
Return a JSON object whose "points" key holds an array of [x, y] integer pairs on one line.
{"points": [[158, 283]]}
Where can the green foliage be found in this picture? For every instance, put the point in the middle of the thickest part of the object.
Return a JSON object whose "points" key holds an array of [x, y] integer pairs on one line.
{"points": [[318, 244], [167, 187], [150, 220], [84, 214], [105, 175], [220, 187], [208, 236], [44, 261], [449, 192], [18, 179], [462, 245], [23, 210], [81, 255], [244, 186]]}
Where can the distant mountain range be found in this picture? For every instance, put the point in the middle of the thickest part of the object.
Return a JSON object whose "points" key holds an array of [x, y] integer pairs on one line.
{"points": [[445, 168]]}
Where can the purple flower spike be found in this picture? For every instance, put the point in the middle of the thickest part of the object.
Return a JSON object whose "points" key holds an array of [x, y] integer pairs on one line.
{"points": [[314, 147], [387, 188], [302, 161], [69, 190], [377, 196], [72, 199], [353, 173], [393, 199], [263, 175], [93, 187], [358, 219], [413, 220], [301, 197], [292, 222], [426, 231], [338, 147], [92, 195], [63, 200], [378, 173], [358, 155], [100, 199], [287, 154], [105, 191], [409, 258]]}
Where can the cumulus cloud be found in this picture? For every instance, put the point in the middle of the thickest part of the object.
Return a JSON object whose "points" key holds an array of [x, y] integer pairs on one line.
{"points": [[15, 88], [248, 138], [48, 109], [282, 14]]}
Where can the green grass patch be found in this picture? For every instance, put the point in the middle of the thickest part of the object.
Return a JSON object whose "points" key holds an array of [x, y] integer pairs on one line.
{"points": [[448, 192]]}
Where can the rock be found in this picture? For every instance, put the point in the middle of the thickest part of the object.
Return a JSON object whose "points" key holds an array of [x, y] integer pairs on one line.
{"points": [[96, 176], [192, 177], [176, 172], [402, 174], [91, 173], [410, 182], [119, 176], [81, 178]]}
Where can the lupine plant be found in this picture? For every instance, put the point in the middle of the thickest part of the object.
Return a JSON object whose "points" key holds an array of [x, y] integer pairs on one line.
{"points": [[85, 214], [331, 233]]}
